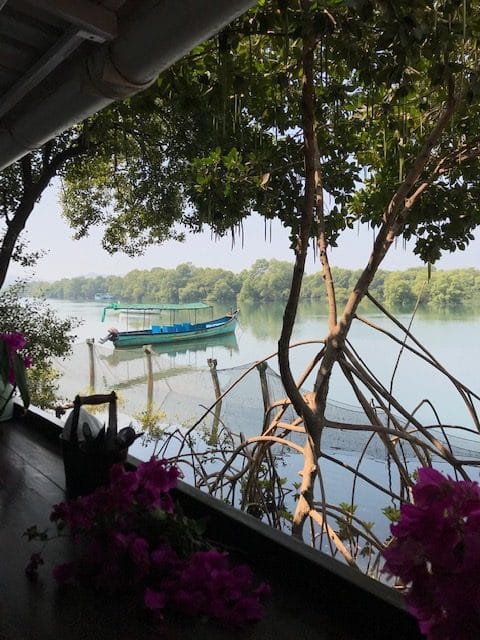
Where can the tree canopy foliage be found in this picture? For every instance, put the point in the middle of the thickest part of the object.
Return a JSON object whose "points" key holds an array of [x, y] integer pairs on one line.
{"points": [[219, 135]]}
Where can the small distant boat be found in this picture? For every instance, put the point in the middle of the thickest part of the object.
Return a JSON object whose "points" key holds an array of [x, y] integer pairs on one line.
{"points": [[99, 297], [176, 332]]}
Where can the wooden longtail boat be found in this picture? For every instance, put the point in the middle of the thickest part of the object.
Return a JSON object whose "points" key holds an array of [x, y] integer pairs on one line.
{"points": [[167, 334]]}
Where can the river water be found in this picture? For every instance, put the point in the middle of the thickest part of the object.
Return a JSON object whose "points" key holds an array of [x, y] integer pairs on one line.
{"points": [[453, 338]]}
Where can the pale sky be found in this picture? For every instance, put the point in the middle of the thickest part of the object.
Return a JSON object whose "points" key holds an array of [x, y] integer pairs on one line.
{"points": [[69, 258]]}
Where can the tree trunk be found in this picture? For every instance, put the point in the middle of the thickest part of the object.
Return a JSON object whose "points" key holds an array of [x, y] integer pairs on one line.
{"points": [[394, 220], [312, 200], [32, 192]]}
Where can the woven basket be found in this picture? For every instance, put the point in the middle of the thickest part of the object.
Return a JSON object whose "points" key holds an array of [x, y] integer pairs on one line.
{"points": [[87, 462]]}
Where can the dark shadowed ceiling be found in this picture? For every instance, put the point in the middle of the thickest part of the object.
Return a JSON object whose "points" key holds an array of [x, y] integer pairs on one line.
{"points": [[62, 60]]}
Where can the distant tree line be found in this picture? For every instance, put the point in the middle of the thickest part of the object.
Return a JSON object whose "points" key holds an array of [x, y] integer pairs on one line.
{"points": [[266, 281]]}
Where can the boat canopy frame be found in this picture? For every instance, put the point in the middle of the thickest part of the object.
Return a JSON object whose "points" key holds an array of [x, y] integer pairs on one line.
{"points": [[173, 308]]}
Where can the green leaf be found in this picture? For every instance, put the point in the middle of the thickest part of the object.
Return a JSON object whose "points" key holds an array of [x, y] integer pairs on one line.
{"points": [[392, 513], [159, 514], [347, 507], [32, 533]]}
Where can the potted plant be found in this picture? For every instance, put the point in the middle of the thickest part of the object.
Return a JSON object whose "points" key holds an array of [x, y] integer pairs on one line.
{"points": [[14, 360]]}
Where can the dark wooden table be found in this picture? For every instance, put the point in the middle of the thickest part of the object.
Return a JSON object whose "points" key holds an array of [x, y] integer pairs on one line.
{"points": [[311, 600]]}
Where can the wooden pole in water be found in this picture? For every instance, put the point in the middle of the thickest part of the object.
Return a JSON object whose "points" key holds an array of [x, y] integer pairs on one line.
{"points": [[148, 353], [212, 363], [91, 360], [262, 369]]}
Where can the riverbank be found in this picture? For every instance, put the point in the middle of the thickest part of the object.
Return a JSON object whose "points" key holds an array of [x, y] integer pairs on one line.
{"points": [[269, 281]]}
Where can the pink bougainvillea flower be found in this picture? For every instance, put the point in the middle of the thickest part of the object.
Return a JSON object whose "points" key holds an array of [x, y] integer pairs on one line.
{"points": [[123, 484], [164, 558], [64, 572], [435, 551], [140, 554], [14, 341], [155, 600], [15, 344], [59, 512], [31, 570], [130, 539]]}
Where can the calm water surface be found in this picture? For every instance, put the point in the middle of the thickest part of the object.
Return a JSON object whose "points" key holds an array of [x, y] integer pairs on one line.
{"points": [[452, 338]]}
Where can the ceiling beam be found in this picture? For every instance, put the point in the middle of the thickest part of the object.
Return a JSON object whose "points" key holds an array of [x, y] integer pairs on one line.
{"points": [[99, 23], [44, 65]]}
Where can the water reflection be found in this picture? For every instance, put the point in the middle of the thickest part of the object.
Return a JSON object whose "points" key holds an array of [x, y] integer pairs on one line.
{"points": [[228, 342]]}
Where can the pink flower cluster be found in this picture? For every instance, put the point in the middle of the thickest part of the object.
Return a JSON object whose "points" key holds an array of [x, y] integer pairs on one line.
{"points": [[133, 540], [15, 344], [435, 552]]}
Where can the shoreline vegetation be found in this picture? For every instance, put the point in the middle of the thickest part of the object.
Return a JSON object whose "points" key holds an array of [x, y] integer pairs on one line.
{"points": [[267, 281]]}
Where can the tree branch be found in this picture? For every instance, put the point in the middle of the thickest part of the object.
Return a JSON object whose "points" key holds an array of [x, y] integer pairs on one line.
{"points": [[397, 211]]}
